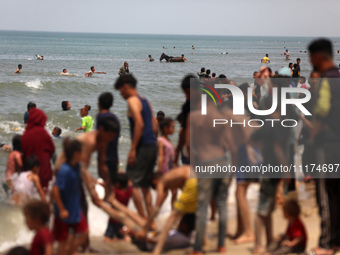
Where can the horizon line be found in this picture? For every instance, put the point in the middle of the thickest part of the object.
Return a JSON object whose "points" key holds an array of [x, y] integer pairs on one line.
{"points": [[305, 36]]}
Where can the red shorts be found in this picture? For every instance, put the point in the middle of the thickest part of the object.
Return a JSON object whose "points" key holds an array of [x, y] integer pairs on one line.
{"points": [[62, 229]]}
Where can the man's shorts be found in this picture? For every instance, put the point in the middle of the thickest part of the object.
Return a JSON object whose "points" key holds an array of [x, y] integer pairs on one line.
{"points": [[141, 173], [267, 196], [61, 230]]}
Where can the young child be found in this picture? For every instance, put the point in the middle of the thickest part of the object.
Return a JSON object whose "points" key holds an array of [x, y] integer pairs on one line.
{"points": [[26, 185], [295, 238], [123, 192], [67, 201], [37, 214], [86, 121], [166, 150], [56, 132], [14, 164]]}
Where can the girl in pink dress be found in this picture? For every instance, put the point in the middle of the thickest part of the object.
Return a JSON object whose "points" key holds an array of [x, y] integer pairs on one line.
{"points": [[166, 150]]}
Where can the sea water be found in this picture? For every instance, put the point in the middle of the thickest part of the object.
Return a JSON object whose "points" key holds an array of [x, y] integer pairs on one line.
{"points": [[159, 82]]}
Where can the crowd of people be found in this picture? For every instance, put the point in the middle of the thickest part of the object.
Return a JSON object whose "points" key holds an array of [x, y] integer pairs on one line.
{"points": [[35, 184]]}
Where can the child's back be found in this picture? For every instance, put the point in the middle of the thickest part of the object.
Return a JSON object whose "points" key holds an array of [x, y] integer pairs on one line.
{"points": [[14, 161]]}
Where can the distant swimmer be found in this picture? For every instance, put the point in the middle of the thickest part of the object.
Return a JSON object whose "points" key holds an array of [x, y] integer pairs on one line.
{"points": [[224, 53], [174, 47], [124, 69], [64, 72], [193, 47], [39, 57], [265, 60], [338, 52], [93, 70], [184, 58], [66, 105], [287, 54], [164, 47], [150, 59], [19, 68]]}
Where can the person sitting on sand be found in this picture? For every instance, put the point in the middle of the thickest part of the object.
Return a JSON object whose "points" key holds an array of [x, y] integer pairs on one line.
{"points": [[64, 72], [19, 68], [150, 59], [184, 58], [86, 121], [93, 70], [295, 238], [265, 60]]}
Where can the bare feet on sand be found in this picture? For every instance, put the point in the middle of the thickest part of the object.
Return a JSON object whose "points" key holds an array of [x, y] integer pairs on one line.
{"points": [[244, 239]]}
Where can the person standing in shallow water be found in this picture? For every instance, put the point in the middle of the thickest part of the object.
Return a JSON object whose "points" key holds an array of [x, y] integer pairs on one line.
{"points": [[143, 152], [124, 70]]}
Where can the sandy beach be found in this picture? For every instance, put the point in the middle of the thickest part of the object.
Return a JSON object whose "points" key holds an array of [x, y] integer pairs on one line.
{"points": [[309, 215]]}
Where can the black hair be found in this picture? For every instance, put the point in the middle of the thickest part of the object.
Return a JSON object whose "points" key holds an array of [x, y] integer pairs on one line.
{"points": [[179, 117], [64, 69], [298, 59], [57, 131], [18, 250], [290, 64], [125, 62], [125, 79], [37, 209], [296, 66], [105, 100], [91, 68], [64, 105], [213, 74], [186, 81], [183, 55], [323, 46], [203, 69], [16, 143], [222, 76], [109, 124], [149, 56], [31, 105], [208, 72], [244, 86], [88, 107], [122, 179], [70, 147], [165, 123], [266, 55], [30, 162], [255, 73], [19, 65], [160, 114]]}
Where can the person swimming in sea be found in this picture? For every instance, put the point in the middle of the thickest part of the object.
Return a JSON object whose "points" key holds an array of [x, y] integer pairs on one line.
{"points": [[150, 59], [64, 72], [93, 70]]}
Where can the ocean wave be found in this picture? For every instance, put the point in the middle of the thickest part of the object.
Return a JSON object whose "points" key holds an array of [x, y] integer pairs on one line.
{"points": [[11, 127], [35, 84]]}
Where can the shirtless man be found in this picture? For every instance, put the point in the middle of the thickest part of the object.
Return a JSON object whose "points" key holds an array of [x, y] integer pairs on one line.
{"points": [[97, 141], [151, 59], [19, 68], [64, 72], [93, 70], [210, 150], [184, 58]]}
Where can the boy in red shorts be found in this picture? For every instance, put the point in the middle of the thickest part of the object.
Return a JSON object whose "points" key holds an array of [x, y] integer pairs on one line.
{"points": [[37, 214], [70, 227]]}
